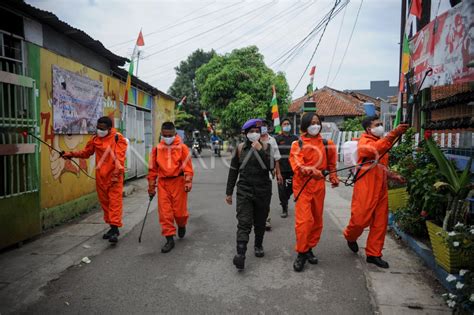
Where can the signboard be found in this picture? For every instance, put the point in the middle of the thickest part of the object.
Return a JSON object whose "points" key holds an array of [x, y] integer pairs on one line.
{"points": [[444, 45], [77, 102]]}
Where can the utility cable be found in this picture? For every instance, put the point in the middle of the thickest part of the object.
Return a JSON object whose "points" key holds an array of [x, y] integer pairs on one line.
{"points": [[337, 43]]}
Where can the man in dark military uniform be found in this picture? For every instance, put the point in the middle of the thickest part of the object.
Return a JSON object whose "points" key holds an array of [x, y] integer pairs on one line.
{"points": [[284, 141], [254, 189]]}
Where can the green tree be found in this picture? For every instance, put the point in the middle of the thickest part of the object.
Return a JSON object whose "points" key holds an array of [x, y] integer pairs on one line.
{"points": [[238, 86], [184, 85], [353, 124]]}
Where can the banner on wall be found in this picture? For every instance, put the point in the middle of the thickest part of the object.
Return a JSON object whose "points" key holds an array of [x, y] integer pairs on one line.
{"points": [[444, 45], [77, 102]]}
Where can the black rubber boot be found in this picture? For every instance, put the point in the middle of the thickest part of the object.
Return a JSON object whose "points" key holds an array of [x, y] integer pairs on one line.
{"points": [[111, 231], [311, 258], [113, 238], [239, 259], [378, 261], [181, 231], [169, 245], [258, 246], [284, 211], [298, 265], [353, 246]]}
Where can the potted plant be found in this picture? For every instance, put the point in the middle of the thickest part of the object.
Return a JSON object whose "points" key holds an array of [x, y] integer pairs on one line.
{"points": [[462, 299], [401, 160], [457, 184]]}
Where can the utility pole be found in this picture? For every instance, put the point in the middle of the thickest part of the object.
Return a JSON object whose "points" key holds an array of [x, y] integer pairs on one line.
{"points": [[402, 34]]}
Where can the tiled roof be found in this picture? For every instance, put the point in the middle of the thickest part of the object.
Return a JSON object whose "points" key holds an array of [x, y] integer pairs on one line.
{"points": [[331, 102]]}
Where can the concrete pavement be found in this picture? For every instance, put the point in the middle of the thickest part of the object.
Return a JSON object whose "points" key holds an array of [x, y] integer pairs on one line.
{"points": [[198, 275]]}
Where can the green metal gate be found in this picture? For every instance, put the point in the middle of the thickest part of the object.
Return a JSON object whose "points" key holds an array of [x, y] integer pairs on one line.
{"points": [[19, 166]]}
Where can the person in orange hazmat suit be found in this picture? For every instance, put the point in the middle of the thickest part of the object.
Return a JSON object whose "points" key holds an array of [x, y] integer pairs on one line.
{"points": [[369, 206], [110, 148], [171, 163]]}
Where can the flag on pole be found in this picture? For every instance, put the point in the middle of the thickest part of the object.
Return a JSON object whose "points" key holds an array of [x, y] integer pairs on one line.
{"points": [[140, 42], [309, 88], [206, 121], [275, 114], [404, 70], [416, 8], [182, 102]]}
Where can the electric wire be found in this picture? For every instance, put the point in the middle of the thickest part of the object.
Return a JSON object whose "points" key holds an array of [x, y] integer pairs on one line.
{"points": [[335, 46]]}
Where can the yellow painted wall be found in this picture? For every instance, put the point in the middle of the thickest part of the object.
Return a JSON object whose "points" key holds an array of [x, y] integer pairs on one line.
{"points": [[61, 180], [163, 111]]}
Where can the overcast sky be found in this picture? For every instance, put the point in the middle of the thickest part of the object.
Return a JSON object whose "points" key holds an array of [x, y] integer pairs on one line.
{"points": [[273, 26]]}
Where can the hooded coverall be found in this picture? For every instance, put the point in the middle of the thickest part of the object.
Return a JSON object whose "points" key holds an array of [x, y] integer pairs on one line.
{"points": [[173, 166], [109, 172], [309, 206], [369, 206]]}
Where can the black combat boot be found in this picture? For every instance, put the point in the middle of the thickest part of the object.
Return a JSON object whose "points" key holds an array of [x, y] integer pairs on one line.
{"points": [[181, 231], [111, 231], [239, 259], [354, 247], [169, 244], [284, 211], [378, 261], [113, 238], [258, 246], [298, 265], [311, 258]]}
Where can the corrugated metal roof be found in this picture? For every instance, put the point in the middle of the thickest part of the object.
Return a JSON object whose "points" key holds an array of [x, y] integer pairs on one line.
{"points": [[74, 34]]}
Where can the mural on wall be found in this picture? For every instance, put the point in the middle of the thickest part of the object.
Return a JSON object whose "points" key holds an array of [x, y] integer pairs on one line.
{"points": [[61, 179]]}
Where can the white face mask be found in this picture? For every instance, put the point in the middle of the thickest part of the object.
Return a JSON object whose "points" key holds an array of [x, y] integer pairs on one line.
{"points": [[314, 129], [253, 136], [263, 130], [286, 128], [102, 133], [377, 131], [168, 140]]}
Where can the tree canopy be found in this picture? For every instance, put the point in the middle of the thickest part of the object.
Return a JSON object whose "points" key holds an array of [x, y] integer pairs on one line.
{"points": [[238, 86], [184, 85]]}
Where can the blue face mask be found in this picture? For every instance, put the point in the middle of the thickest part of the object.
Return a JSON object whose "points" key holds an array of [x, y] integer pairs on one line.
{"points": [[286, 128]]}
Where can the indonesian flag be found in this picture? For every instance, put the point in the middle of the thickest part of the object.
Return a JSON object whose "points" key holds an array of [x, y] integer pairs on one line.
{"points": [[182, 102], [416, 8], [140, 42], [275, 114]]}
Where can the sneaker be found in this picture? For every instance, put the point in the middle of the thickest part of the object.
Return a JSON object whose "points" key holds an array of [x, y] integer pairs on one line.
{"points": [[284, 211], [259, 251], [268, 225]]}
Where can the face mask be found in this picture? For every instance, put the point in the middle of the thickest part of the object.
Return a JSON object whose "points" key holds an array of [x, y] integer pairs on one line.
{"points": [[314, 129], [264, 130], [102, 133], [286, 128], [253, 136], [377, 131], [168, 140]]}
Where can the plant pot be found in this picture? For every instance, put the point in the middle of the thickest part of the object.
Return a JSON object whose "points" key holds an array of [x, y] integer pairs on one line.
{"points": [[397, 198], [449, 259]]}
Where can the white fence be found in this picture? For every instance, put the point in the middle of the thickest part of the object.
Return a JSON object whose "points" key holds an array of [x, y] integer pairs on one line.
{"points": [[444, 140]]}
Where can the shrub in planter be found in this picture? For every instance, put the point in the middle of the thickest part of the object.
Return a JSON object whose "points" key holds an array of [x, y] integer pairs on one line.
{"points": [[410, 221], [461, 301], [458, 186]]}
